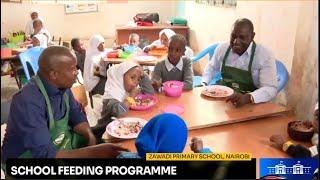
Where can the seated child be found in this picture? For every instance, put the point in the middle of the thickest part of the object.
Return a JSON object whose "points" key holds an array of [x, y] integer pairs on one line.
{"points": [[164, 133], [133, 46], [38, 28], [299, 151], [80, 52], [40, 40], [175, 66], [163, 41], [120, 89]]}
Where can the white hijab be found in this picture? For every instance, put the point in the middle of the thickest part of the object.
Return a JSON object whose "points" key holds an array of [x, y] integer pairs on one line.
{"points": [[114, 88], [34, 10], [168, 32], [93, 56], [42, 39]]}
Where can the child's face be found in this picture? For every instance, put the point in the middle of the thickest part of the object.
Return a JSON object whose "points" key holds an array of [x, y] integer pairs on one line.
{"points": [[37, 26], [176, 51], [101, 47], [164, 40], [134, 41], [35, 42], [132, 78], [34, 15]]}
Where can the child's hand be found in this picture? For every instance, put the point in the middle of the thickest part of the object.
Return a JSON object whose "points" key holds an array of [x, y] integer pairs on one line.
{"points": [[134, 92], [278, 141], [196, 144], [156, 85], [146, 50]]}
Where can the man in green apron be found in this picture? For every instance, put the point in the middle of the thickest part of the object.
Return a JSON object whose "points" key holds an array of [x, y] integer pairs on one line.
{"points": [[45, 121], [245, 66]]}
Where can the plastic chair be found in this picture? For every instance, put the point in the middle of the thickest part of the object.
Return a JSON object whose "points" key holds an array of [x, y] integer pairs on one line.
{"points": [[31, 57], [282, 75], [210, 51]]}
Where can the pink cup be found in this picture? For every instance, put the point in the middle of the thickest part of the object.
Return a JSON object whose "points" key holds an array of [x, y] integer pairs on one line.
{"points": [[173, 88]]}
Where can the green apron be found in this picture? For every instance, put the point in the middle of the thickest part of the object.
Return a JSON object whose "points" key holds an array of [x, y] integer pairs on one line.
{"points": [[62, 136], [238, 79]]}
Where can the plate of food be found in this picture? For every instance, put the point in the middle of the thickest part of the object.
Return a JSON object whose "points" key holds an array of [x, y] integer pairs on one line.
{"points": [[125, 128], [217, 91], [143, 102], [145, 58]]}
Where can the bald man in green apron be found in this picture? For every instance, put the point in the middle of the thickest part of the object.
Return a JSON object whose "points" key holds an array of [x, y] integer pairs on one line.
{"points": [[45, 121], [245, 66]]}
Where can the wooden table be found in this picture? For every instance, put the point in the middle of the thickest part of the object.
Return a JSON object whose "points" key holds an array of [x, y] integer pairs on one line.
{"points": [[142, 63], [150, 33], [201, 112]]}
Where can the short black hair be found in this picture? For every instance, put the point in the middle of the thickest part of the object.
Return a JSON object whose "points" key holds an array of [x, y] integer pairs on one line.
{"points": [[49, 58], [74, 41], [180, 38], [244, 22]]}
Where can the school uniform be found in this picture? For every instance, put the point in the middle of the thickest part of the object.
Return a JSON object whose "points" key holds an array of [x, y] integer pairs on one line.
{"points": [[253, 72], [165, 71], [115, 94]]}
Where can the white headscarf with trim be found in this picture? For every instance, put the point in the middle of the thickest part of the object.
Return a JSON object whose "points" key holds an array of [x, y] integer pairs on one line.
{"points": [[114, 88]]}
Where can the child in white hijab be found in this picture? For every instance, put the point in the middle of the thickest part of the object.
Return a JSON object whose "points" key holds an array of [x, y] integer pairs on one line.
{"points": [[34, 14], [95, 69], [38, 28], [125, 81], [163, 41]]}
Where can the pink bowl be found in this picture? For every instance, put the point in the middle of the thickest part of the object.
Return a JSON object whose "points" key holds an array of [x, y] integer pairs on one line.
{"points": [[153, 102], [173, 88]]}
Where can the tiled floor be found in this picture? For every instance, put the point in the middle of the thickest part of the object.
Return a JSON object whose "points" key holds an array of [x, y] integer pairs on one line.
{"points": [[9, 88]]}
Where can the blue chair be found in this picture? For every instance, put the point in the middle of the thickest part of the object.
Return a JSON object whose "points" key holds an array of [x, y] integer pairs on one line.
{"points": [[210, 51], [282, 75], [31, 58]]}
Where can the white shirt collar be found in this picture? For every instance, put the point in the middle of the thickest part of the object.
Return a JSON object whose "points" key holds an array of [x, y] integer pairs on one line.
{"points": [[248, 51], [169, 66]]}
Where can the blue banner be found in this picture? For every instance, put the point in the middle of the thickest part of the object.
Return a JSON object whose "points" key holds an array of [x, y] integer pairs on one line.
{"points": [[289, 168]]}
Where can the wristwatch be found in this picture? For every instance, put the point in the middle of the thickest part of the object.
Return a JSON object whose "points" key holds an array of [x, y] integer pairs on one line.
{"points": [[286, 145]]}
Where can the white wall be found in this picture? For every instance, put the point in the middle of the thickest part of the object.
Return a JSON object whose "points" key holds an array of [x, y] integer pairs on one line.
{"points": [[14, 16]]}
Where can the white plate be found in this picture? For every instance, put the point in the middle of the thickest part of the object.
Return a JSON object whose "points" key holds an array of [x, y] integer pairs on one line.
{"points": [[217, 91], [145, 58], [123, 133]]}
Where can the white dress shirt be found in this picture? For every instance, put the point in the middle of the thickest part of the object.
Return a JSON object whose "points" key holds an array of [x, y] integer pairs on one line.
{"points": [[264, 72], [170, 66]]}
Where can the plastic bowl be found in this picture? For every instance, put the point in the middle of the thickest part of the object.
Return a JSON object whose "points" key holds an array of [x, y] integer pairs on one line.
{"points": [[173, 88], [300, 131]]}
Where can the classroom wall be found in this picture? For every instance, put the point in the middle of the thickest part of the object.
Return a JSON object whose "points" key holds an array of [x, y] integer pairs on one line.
{"points": [[14, 16], [288, 28]]}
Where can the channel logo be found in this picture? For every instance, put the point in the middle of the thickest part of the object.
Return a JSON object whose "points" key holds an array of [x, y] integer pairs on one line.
{"points": [[288, 168]]}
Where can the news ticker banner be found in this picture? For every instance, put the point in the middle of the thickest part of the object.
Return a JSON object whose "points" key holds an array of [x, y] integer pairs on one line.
{"points": [[289, 168], [158, 166]]}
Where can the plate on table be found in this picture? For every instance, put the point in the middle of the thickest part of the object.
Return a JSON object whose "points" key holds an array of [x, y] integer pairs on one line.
{"points": [[125, 128], [144, 102], [217, 91], [145, 58]]}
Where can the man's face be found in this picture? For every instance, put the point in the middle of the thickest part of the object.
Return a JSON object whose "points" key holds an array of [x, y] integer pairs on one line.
{"points": [[65, 73], [132, 78], [34, 15], [241, 37], [176, 51]]}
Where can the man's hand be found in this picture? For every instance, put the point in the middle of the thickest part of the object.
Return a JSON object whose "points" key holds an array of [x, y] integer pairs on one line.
{"points": [[196, 144], [277, 140], [239, 100]]}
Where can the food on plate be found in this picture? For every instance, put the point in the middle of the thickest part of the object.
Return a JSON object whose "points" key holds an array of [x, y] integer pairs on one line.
{"points": [[143, 101], [126, 128], [218, 92], [302, 126]]}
